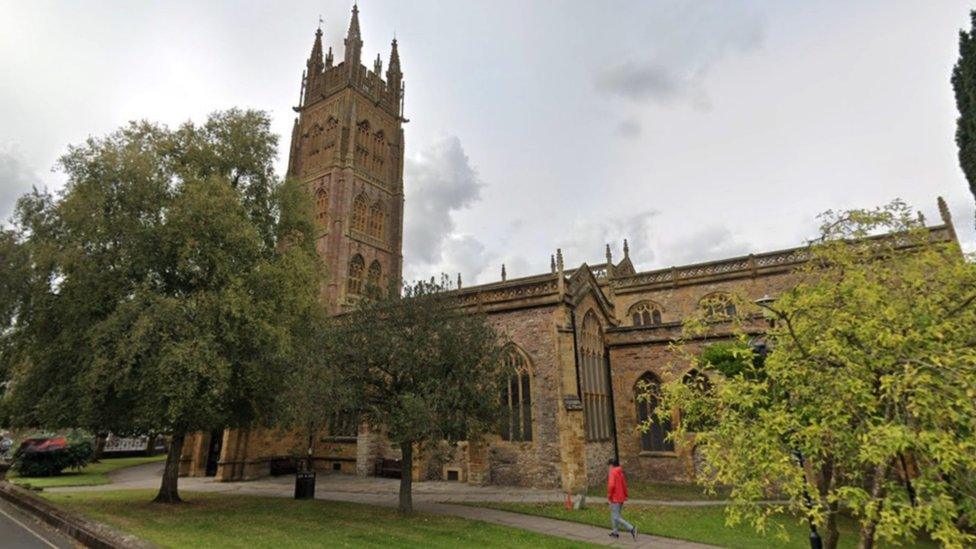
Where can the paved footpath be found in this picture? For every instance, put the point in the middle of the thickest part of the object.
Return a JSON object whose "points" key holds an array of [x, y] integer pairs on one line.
{"points": [[441, 498]]}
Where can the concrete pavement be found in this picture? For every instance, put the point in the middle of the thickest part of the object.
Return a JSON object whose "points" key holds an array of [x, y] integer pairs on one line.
{"points": [[442, 498]]}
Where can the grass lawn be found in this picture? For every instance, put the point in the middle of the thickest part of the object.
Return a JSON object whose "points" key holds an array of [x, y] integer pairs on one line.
{"points": [[669, 491], [702, 524], [221, 520], [91, 475]]}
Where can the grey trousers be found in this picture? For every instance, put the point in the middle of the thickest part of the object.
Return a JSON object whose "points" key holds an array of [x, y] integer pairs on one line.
{"points": [[616, 519]]}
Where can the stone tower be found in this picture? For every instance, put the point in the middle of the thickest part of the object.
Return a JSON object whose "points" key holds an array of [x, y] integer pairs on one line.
{"points": [[347, 148]]}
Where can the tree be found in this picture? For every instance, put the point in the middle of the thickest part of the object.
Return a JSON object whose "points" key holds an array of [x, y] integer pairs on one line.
{"points": [[313, 393], [866, 398], [421, 368], [964, 85], [165, 283]]}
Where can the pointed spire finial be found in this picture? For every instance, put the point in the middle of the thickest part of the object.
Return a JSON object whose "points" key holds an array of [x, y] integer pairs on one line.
{"points": [[320, 22], [459, 281], [609, 256], [559, 259], [378, 65], [552, 263], [503, 272], [626, 250], [944, 212], [354, 42]]}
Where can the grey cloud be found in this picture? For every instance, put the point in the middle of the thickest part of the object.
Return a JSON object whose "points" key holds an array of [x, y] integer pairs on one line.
{"points": [[439, 181], [641, 82], [16, 178], [708, 243], [681, 56], [629, 128]]}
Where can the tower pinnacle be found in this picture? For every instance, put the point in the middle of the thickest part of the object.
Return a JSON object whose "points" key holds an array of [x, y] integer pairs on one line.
{"points": [[354, 41]]}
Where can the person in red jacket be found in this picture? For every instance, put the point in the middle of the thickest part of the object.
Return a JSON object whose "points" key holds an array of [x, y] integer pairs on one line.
{"points": [[617, 495]]}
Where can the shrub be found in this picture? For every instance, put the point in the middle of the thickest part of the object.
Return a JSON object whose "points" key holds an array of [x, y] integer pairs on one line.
{"points": [[46, 457]]}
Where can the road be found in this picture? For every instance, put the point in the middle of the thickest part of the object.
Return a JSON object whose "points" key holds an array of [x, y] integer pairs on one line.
{"points": [[19, 530]]}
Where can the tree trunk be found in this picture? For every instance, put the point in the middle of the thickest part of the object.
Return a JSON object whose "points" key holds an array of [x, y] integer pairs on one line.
{"points": [[99, 446], [168, 492], [868, 528], [832, 535], [824, 485], [406, 478]]}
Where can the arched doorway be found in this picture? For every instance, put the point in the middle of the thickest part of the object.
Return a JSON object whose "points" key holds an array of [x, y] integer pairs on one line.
{"points": [[213, 452]]}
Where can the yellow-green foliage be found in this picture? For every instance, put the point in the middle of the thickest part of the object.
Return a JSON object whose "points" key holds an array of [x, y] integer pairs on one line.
{"points": [[871, 371]]}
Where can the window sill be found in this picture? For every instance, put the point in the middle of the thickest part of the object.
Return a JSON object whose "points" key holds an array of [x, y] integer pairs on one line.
{"points": [[657, 454]]}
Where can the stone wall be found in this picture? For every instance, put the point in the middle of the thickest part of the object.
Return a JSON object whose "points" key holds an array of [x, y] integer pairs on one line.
{"points": [[636, 350], [535, 462]]}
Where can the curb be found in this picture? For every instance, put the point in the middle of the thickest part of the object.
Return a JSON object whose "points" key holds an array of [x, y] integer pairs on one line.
{"points": [[87, 532]]}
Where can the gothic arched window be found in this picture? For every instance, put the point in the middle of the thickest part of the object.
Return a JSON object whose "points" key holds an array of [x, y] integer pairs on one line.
{"points": [[354, 282], [516, 396], [597, 419], [377, 219], [321, 206], [645, 313], [718, 306], [373, 276], [359, 207], [647, 392]]}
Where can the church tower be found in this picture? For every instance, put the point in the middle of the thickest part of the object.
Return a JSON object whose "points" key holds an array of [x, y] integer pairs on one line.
{"points": [[347, 148]]}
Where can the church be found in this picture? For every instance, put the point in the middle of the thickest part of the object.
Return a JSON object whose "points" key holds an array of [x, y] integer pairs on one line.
{"points": [[579, 339]]}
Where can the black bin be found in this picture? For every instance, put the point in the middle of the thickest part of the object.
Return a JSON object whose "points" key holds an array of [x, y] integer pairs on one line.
{"points": [[305, 485]]}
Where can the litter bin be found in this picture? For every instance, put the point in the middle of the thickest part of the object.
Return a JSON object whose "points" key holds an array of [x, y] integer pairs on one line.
{"points": [[305, 485]]}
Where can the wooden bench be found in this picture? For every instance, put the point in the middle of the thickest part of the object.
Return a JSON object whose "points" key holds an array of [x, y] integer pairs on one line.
{"points": [[392, 468], [283, 465]]}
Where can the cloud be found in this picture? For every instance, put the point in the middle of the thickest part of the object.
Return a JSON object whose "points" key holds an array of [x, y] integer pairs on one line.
{"points": [[439, 181], [707, 244], [587, 238], [641, 82], [681, 55], [16, 178], [629, 128]]}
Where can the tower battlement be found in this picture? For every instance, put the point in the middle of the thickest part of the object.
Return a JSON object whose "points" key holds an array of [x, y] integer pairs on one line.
{"points": [[324, 78]]}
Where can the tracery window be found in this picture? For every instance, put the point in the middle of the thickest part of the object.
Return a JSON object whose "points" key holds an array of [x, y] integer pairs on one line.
{"points": [[379, 147], [362, 143], [331, 127], [354, 282], [718, 306], [647, 392], [377, 220], [645, 313], [343, 424], [373, 276], [597, 418], [359, 207], [321, 206], [516, 396]]}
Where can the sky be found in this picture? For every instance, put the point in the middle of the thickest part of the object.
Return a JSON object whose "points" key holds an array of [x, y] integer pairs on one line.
{"points": [[696, 130]]}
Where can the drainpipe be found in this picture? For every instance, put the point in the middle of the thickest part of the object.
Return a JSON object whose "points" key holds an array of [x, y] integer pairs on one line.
{"points": [[576, 361], [613, 405]]}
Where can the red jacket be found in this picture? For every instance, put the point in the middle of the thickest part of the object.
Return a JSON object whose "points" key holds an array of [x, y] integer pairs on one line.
{"points": [[616, 486]]}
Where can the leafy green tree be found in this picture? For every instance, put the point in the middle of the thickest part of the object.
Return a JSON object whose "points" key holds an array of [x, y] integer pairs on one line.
{"points": [[420, 368], [166, 286], [866, 400], [964, 85]]}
